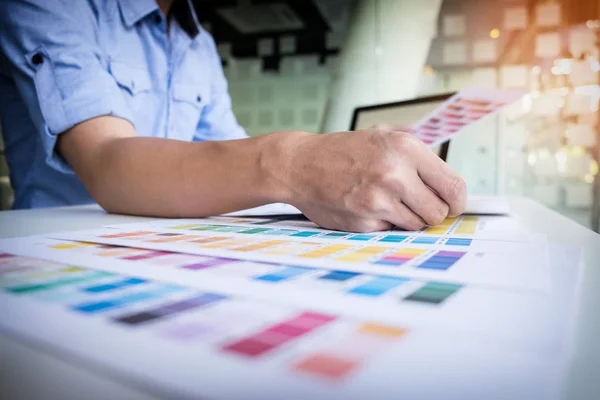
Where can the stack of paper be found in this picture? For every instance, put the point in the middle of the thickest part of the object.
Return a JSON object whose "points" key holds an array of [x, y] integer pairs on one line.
{"points": [[275, 307]]}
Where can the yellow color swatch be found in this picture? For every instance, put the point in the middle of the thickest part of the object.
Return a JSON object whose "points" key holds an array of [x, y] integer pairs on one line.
{"points": [[118, 252], [226, 243], [72, 269], [362, 254], [184, 226], [260, 245], [71, 245], [325, 251], [441, 228], [467, 226], [286, 249], [382, 330], [44, 274], [173, 238], [209, 239], [408, 252]]}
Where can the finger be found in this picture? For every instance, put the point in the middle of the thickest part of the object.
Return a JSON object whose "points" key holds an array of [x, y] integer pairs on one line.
{"points": [[423, 201], [371, 225], [355, 224], [444, 181], [403, 217]]}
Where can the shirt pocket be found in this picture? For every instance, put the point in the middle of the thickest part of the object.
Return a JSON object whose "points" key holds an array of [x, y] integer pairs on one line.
{"points": [[190, 102], [138, 90], [135, 83]]}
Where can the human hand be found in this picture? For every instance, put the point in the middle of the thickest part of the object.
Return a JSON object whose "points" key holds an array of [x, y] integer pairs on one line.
{"points": [[393, 127], [370, 180]]}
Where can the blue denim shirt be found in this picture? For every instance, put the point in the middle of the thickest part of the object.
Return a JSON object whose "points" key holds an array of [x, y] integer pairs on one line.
{"points": [[63, 62]]}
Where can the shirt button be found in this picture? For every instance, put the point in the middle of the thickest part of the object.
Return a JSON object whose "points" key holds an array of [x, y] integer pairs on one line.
{"points": [[37, 59], [199, 99], [157, 19]]}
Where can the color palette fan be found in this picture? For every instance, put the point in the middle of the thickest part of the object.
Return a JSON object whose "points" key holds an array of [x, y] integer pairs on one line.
{"points": [[461, 110]]}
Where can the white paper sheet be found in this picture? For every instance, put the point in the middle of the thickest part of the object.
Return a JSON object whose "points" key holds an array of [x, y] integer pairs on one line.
{"points": [[491, 205], [475, 205], [266, 210], [447, 258], [464, 310], [196, 349], [294, 227]]}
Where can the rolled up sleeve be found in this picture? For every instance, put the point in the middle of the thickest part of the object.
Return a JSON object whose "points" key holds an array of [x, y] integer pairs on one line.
{"points": [[59, 69]]}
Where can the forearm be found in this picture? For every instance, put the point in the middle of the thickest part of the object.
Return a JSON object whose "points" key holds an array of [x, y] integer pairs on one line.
{"points": [[169, 178], [160, 177]]}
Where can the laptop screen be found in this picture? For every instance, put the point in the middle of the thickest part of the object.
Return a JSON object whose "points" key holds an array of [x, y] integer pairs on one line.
{"points": [[405, 113]]}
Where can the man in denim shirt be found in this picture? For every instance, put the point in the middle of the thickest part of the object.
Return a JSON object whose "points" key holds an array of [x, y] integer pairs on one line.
{"points": [[124, 102]]}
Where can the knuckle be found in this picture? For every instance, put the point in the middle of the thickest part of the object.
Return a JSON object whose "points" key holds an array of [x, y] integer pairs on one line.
{"points": [[429, 218], [363, 226], [384, 226], [411, 222], [439, 215], [457, 188], [359, 228], [414, 225], [403, 188], [406, 141], [376, 140], [379, 172], [371, 226], [368, 203], [377, 133], [380, 127]]}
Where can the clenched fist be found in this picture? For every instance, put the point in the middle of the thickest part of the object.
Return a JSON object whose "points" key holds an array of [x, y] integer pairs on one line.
{"points": [[369, 180]]}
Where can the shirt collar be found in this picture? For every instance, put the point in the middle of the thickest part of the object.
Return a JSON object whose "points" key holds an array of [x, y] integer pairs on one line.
{"points": [[134, 10]]}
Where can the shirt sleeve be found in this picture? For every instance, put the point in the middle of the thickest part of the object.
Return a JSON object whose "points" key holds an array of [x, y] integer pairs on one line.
{"points": [[218, 119], [58, 67]]}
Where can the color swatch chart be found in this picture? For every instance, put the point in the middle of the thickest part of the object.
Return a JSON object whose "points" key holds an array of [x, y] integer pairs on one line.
{"points": [[387, 299], [488, 227], [512, 264], [222, 324], [195, 335], [334, 236], [307, 279], [388, 256], [282, 310], [460, 226], [466, 107]]}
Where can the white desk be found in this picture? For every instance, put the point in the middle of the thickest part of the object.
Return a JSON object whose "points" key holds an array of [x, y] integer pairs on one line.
{"points": [[26, 372]]}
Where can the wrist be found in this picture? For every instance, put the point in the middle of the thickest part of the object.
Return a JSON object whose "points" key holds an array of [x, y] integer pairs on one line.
{"points": [[276, 163]]}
